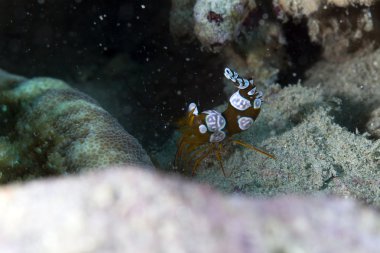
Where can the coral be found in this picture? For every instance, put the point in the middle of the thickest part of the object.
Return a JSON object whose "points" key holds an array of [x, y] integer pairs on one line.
{"points": [[297, 8], [218, 22], [128, 209], [300, 8], [341, 35], [51, 128], [329, 24]]}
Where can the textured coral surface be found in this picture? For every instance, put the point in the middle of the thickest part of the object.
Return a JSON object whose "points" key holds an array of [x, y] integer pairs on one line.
{"points": [[218, 22], [52, 129], [132, 210]]}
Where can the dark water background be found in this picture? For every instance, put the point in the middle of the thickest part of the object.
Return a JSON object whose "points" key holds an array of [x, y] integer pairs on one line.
{"points": [[122, 54]]}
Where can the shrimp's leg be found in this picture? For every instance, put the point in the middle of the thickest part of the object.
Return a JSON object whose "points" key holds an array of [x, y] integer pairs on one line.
{"points": [[246, 145], [185, 151], [218, 156], [181, 144], [183, 141], [195, 155], [200, 159]]}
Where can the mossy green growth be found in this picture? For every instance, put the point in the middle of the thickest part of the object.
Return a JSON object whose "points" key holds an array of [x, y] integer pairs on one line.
{"points": [[50, 129]]}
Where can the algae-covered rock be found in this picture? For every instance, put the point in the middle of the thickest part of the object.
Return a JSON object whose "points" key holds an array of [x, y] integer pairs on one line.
{"points": [[356, 82], [133, 210], [50, 128], [313, 153]]}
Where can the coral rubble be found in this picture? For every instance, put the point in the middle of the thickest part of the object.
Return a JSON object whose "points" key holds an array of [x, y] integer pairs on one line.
{"points": [[50, 128]]}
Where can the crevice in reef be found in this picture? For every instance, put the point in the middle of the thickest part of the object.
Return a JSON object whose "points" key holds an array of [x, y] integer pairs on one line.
{"points": [[353, 116], [301, 51]]}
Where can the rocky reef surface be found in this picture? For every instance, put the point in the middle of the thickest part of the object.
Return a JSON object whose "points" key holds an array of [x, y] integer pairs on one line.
{"points": [[317, 63], [50, 129], [133, 210], [323, 130]]}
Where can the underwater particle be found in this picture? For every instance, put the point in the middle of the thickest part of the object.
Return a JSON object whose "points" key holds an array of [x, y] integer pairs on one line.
{"points": [[218, 22]]}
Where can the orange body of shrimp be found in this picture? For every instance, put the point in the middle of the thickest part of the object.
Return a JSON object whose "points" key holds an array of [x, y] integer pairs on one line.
{"points": [[205, 133]]}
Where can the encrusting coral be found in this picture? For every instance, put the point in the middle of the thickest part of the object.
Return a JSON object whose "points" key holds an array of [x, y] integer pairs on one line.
{"points": [[218, 22], [49, 128]]}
